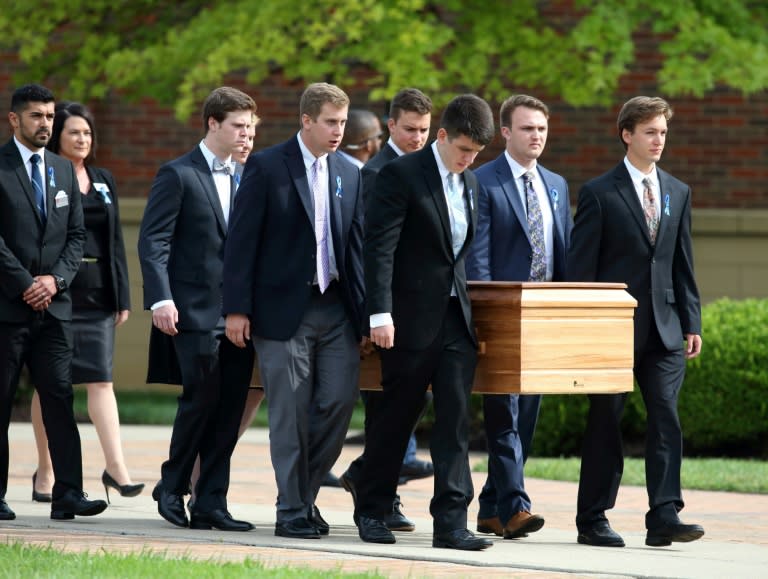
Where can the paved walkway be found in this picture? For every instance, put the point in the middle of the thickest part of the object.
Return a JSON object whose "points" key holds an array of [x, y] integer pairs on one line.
{"points": [[736, 543]]}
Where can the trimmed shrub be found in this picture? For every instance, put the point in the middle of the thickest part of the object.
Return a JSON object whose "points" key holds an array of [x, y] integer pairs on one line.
{"points": [[724, 402]]}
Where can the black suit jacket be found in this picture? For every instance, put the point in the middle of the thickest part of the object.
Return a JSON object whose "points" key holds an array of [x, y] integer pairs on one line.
{"points": [[118, 265], [181, 242], [610, 243], [27, 248], [409, 262], [374, 165], [270, 263]]}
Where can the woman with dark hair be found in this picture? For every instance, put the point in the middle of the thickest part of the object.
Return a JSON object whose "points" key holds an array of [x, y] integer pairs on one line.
{"points": [[100, 302]]}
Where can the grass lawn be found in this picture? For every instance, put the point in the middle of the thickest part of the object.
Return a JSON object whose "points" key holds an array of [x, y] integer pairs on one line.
{"points": [[22, 561]]}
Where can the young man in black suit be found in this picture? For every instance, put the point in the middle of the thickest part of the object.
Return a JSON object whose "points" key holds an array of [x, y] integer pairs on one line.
{"points": [[410, 116], [293, 281], [181, 247], [41, 244], [633, 225], [420, 220]]}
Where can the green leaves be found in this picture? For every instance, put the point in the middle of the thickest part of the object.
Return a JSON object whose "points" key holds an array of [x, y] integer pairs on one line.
{"points": [[177, 52]]}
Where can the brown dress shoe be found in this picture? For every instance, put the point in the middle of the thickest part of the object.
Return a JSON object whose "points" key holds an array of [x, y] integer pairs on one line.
{"points": [[491, 526], [521, 524]]}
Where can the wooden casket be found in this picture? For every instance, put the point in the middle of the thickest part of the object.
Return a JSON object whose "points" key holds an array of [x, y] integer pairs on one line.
{"points": [[546, 338]]}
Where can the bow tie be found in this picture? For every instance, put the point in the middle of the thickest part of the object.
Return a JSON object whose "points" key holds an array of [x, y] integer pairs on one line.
{"points": [[222, 167]]}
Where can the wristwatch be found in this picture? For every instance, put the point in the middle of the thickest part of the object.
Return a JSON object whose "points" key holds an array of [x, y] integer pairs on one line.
{"points": [[61, 285]]}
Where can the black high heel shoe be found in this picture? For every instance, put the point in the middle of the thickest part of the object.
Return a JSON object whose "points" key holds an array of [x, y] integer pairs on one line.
{"points": [[124, 490], [39, 497]]}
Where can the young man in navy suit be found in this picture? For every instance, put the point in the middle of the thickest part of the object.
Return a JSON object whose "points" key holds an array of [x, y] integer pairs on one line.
{"points": [[41, 245], [633, 225], [293, 282], [420, 221], [523, 228], [181, 246]]}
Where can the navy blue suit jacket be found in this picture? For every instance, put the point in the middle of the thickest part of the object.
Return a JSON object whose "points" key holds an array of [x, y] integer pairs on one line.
{"points": [[502, 248], [269, 260]]}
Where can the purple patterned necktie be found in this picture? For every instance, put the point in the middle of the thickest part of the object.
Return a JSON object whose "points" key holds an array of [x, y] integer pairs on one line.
{"points": [[535, 231], [649, 208], [321, 227]]}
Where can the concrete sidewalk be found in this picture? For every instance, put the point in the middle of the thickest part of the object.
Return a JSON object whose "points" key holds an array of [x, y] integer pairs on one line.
{"points": [[736, 543]]}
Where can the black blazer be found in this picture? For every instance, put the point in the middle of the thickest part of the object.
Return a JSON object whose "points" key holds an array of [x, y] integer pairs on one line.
{"points": [[269, 262], [409, 262], [181, 242], [374, 165], [27, 248], [610, 243], [118, 265]]}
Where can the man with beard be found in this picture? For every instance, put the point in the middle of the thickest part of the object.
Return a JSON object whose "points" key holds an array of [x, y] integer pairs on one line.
{"points": [[41, 245]]}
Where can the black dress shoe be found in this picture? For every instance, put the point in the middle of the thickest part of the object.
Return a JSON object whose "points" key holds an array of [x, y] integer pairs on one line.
{"points": [[374, 531], [39, 497], [349, 485], [318, 521], [6, 514], [415, 469], [396, 520], [299, 528], [673, 533], [600, 535], [330, 480], [462, 539], [217, 519], [124, 490], [73, 503], [170, 506]]}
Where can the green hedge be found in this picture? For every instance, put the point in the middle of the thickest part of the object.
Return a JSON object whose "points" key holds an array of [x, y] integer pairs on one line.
{"points": [[723, 404]]}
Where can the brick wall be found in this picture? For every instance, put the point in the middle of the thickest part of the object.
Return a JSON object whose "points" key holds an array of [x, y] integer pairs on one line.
{"points": [[718, 144]]}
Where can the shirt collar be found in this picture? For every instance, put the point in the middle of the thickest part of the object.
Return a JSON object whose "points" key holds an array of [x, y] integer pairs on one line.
{"points": [[395, 148], [637, 176], [209, 156], [443, 170], [517, 169], [309, 158], [26, 152]]}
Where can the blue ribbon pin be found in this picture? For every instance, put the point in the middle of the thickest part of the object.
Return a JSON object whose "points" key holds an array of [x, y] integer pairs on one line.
{"points": [[471, 200], [339, 190], [555, 196], [51, 177], [104, 191], [666, 204]]}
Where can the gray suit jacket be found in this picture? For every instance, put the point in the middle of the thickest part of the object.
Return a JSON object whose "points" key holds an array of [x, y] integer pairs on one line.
{"points": [[27, 247]]}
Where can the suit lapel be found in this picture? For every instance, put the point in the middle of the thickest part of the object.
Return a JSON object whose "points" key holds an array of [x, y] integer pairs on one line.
{"points": [[470, 205], [669, 201], [15, 164], [435, 185], [298, 173], [209, 186], [627, 192], [336, 200], [509, 186], [559, 235]]}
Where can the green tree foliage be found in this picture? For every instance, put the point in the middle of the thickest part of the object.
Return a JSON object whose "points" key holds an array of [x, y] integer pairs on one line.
{"points": [[175, 52]]}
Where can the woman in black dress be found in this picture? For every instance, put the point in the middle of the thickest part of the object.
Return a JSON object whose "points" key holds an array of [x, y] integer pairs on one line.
{"points": [[100, 302]]}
